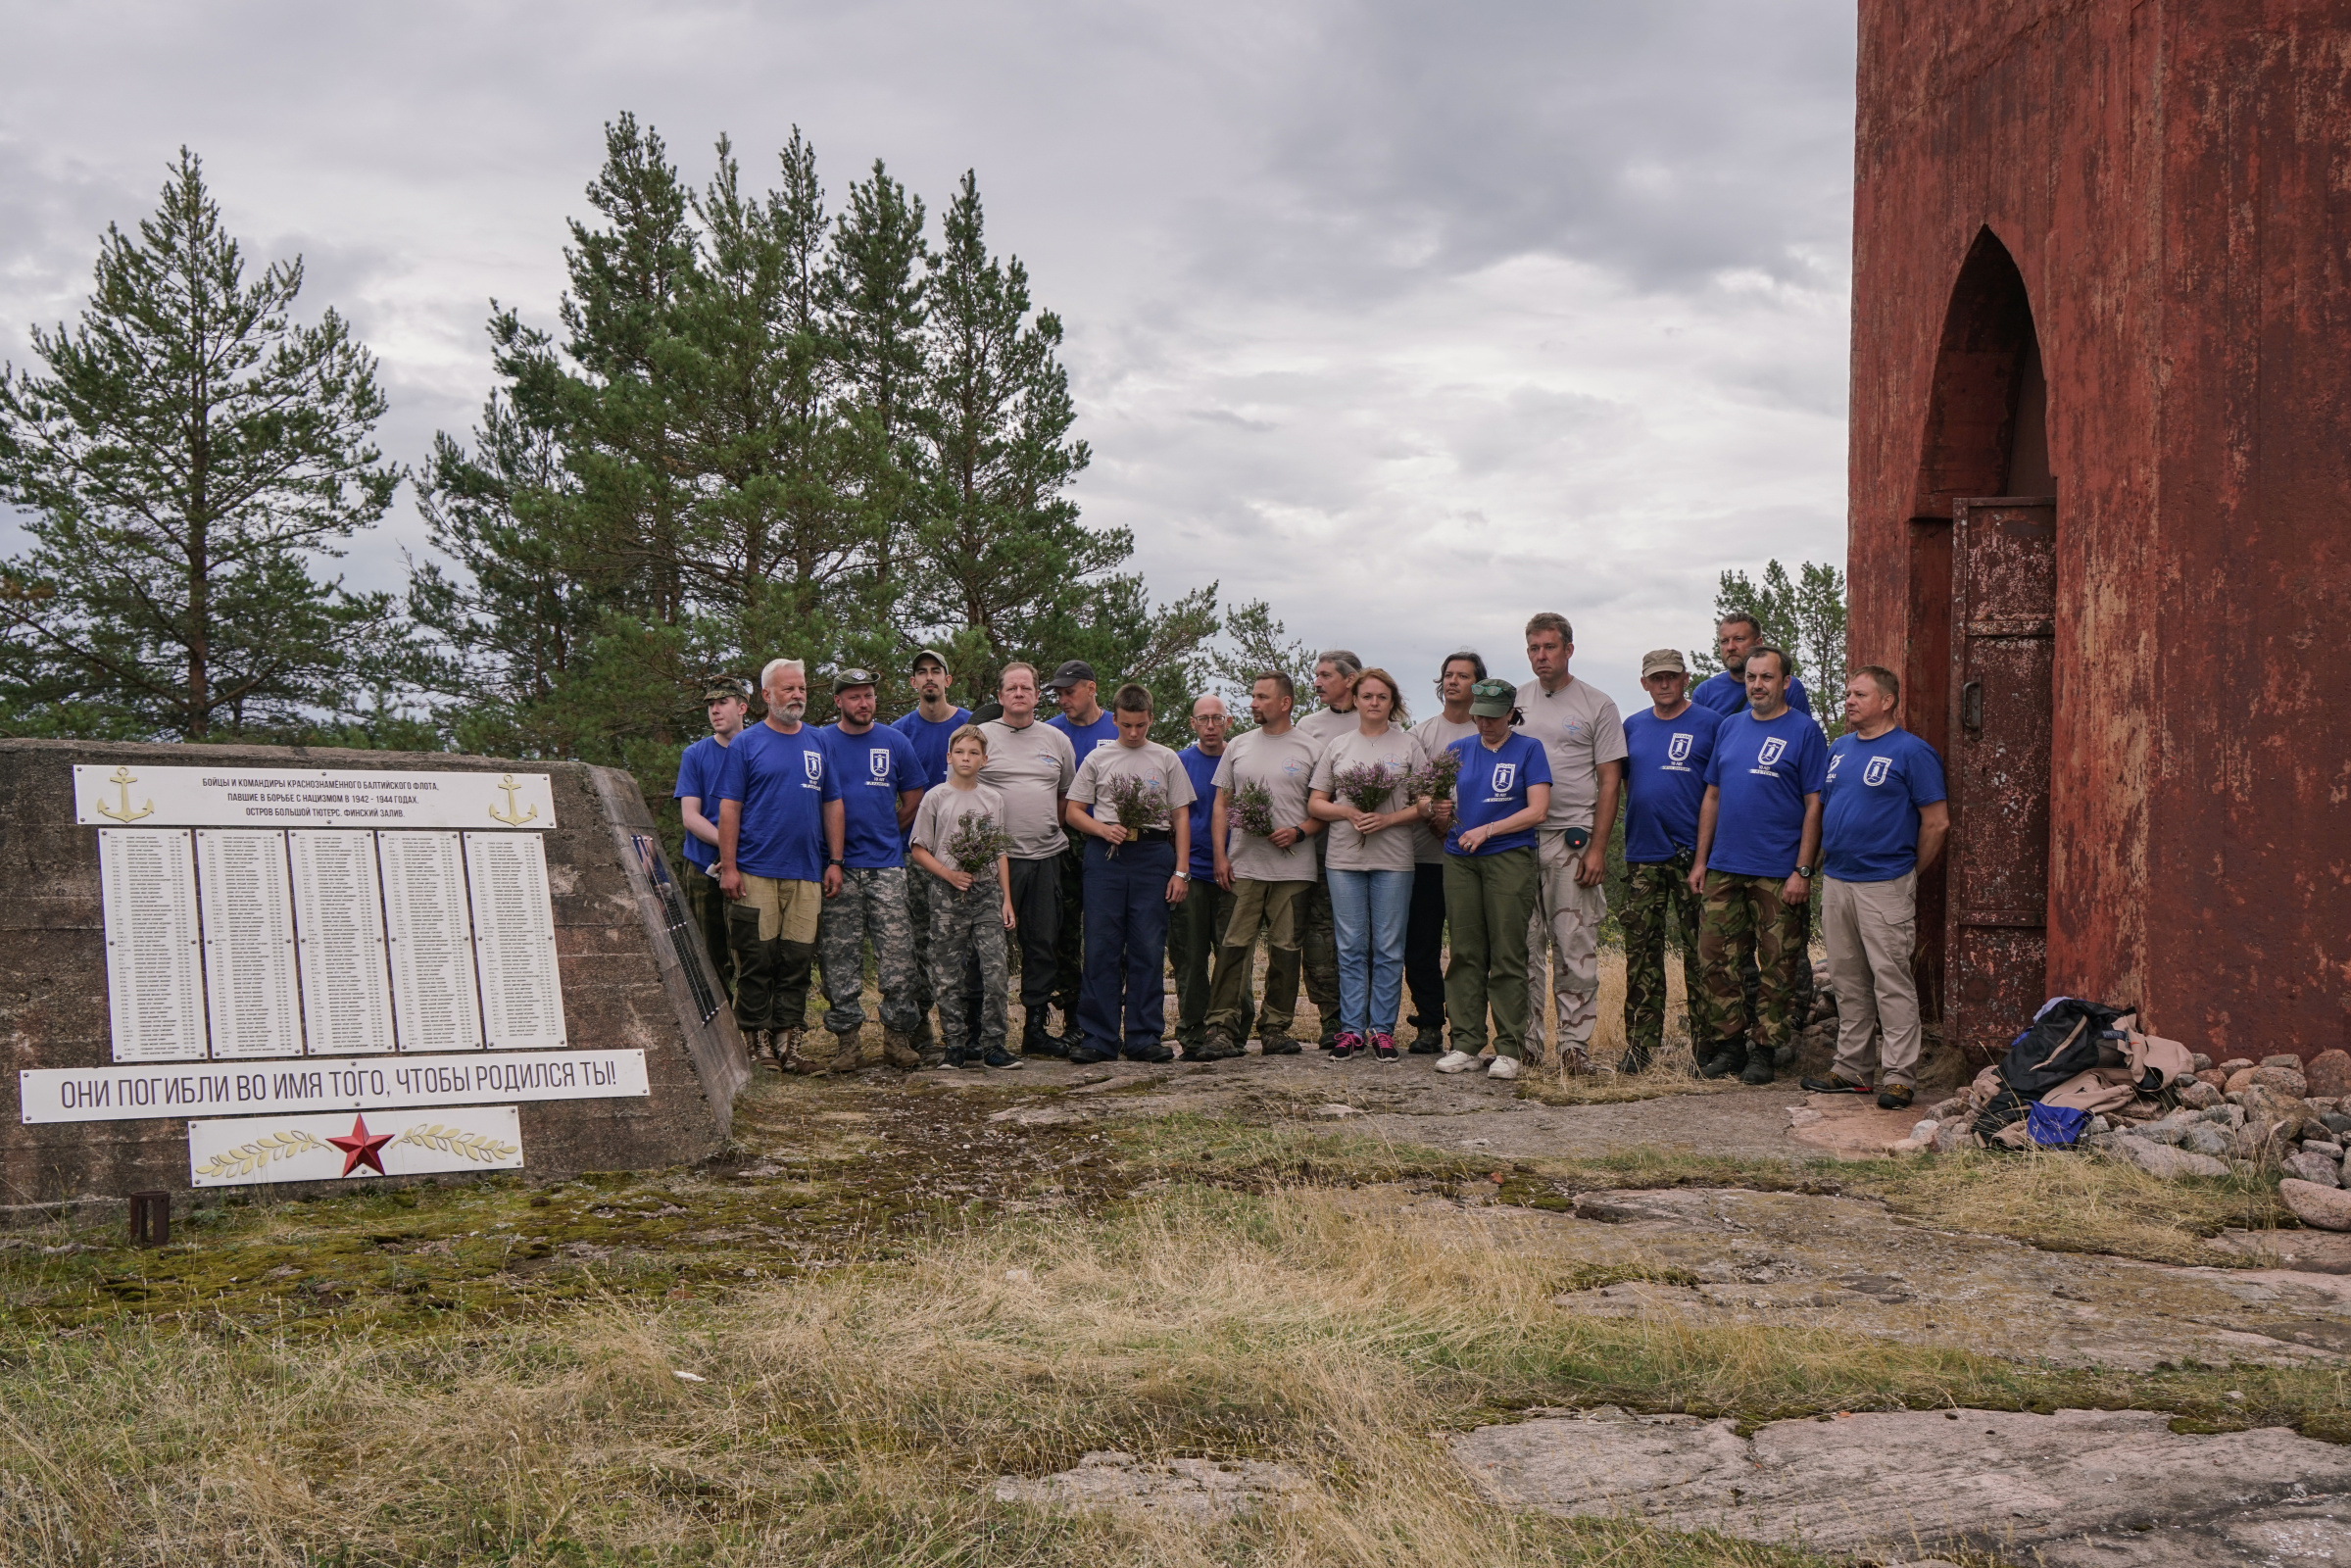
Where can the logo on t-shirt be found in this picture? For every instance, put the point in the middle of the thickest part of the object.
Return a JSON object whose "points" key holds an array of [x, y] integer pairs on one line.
{"points": [[1504, 775], [1875, 774], [1677, 751], [878, 760], [1772, 752], [1103, 741], [813, 762]]}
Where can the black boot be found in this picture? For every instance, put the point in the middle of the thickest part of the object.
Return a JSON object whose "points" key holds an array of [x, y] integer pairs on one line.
{"points": [[1635, 1059], [1758, 1070], [1728, 1056]]}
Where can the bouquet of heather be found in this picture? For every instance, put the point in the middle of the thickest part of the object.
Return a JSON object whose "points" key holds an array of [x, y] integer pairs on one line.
{"points": [[1253, 811], [1135, 803], [1433, 780], [977, 843], [1366, 786]]}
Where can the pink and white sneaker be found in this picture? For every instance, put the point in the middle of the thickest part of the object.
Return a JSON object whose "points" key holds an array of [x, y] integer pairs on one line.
{"points": [[1346, 1045], [1383, 1047]]}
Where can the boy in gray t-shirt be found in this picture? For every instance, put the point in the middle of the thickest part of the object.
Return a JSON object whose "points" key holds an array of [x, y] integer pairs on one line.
{"points": [[959, 839], [1134, 869]]}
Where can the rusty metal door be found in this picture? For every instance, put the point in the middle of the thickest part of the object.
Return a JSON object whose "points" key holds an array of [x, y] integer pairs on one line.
{"points": [[2003, 644]]}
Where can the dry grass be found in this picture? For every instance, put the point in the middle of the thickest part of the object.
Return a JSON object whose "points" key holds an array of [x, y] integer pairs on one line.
{"points": [[857, 1418]]}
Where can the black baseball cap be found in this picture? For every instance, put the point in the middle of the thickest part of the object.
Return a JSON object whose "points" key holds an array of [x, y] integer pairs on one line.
{"points": [[1069, 674]]}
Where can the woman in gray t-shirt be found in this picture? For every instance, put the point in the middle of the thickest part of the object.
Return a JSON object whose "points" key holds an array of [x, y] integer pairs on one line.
{"points": [[1359, 789]]}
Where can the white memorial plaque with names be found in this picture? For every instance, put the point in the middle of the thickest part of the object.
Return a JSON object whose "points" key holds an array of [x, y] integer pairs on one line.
{"points": [[514, 937], [306, 797], [339, 931], [433, 997], [247, 944], [153, 958]]}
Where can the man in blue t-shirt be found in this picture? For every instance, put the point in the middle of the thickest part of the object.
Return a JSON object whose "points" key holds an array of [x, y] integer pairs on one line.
{"points": [[697, 796], [773, 795], [1724, 692], [1492, 880], [1759, 831], [881, 783], [1667, 746], [1884, 819], [1089, 729], [1196, 927], [930, 724]]}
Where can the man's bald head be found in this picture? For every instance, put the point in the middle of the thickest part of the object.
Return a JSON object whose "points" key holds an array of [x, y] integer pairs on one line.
{"points": [[1210, 720]]}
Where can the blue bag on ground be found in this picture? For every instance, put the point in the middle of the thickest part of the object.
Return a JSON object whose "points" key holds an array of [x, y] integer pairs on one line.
{"points": [[2054, 1126]]}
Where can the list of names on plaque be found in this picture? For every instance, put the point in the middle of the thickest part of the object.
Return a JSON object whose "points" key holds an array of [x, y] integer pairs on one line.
{"points": [[154, 979], [514, 933], [433, 993], [248, 943], [338, 921]]}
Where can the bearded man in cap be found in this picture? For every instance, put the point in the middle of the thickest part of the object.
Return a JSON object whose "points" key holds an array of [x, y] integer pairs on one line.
{"points": [[865, 874], [1667, 745], [1088, 729], [697, 795]]}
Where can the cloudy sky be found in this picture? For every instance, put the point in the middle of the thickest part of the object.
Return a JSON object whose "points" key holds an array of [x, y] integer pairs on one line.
{"points": [[1410, 320]]}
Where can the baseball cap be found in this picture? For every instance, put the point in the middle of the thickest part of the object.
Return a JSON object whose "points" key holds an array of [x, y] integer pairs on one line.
{"points": [[1069, 674], [988, 712], [1492, 699], [932, 653], [844, 679], [1662, 660], [721, 688]]}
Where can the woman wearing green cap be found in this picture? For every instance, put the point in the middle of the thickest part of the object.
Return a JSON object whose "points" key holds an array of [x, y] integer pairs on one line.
{"points": [[1491, 877]]}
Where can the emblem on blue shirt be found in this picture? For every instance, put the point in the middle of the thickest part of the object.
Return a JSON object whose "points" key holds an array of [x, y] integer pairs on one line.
{"points": [[1875, 774], [1771, 753], [878, 760], [1677, 750], [813, 762], [1504, 775]]}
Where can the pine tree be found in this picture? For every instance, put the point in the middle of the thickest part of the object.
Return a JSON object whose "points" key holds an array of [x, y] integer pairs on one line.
{"points": [[190, 454], [1805, 617]]}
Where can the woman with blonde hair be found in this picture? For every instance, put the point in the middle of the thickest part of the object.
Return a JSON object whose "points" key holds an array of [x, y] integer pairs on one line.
{"points": [[1359, 789]]}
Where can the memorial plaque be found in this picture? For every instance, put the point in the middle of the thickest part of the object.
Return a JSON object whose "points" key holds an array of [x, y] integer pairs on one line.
{"points": [[435, 1003], [339, 937], [513, 940], [153, 975], [248, 943]]}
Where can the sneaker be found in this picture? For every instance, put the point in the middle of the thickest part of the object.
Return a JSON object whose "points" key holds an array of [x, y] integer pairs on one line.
{"points": [[999, 1056], [1894, 1096], [1383, 1047], [1837, 1084], [1279, 1046], [953, 1059], [1149, 1054], [1345, 1045], [1088, 1056], [1456, 1061], [1758, 1070], [1503, 1067]]}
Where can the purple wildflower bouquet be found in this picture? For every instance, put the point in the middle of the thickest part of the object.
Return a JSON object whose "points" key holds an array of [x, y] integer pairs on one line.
{"points": [[1253, 811], [1366, 786], [1433, 780], [977, 843], [1137, 804]]}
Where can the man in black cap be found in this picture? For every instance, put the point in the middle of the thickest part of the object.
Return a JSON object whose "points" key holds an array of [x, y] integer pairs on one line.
{"points": [[865, 875], [697, 796], [1088, 727]]}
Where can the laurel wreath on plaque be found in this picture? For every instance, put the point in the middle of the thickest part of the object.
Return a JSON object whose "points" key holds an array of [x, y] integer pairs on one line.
{"points": [[455, 1140], [246, 1158]]}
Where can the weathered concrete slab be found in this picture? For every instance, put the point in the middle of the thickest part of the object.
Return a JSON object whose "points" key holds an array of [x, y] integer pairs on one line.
{"points": [[2077, 1487]]}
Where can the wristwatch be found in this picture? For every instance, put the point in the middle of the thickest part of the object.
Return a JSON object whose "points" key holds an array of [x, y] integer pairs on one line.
{"points": [[1804, 871], [1182, 876]]}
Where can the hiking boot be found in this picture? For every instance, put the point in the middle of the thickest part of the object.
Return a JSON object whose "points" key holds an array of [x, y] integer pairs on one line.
{"points": [[1837, 1083], [1345, 1045], [1635, 1059], [900, 1053], [1330, 1041], [1456, 1061], [1503, 1067], [999, 1056], [1575, 1062], [1217, 1047], [754, 1045], [1383, 1047], [1728, 1056], [1035, 1041], [1894, 1096], [1758, 1070], [1429, 1040], [1088, 1056], [1279, 1046]]}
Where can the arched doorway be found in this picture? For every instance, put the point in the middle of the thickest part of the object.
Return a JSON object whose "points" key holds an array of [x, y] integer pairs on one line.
{"points": [[1982, 606]]}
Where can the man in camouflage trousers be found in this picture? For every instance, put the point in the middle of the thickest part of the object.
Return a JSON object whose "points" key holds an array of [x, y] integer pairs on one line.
{"points": [[881, 784], [1668, 746], [1318, 934]]}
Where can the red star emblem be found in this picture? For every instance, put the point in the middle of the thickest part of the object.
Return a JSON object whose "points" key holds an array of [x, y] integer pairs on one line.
{"points": [[360, 1149]]}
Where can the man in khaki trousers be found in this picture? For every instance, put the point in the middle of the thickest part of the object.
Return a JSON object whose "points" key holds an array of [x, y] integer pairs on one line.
{"points": [[1580, 730]]}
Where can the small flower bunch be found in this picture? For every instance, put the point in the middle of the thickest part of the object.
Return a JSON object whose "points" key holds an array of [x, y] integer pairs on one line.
{"points": [[1433, 780], [1366, 786], [1135, 803], [1253, 811], [977, 842]]}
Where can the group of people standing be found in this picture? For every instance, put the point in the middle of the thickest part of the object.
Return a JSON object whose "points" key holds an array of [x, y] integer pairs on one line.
{"points": [[1461, 857]]}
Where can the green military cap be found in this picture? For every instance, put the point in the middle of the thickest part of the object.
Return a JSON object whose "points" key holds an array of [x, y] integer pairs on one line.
{"points": [[1492, 699], [845, 679], [719, 688]]}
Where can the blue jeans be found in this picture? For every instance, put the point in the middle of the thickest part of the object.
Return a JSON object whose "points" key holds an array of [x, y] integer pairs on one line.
{"points": [[1369, 910], [1123, 988]]}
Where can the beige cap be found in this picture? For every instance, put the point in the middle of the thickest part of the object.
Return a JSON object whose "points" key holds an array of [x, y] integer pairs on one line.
{"points": [[1658, 660]]}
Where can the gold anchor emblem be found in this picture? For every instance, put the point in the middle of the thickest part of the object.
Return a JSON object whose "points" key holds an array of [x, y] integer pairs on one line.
{"points": [[507, 817], [123, 780]]}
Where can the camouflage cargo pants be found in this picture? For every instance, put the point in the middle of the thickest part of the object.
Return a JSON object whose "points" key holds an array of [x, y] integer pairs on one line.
{"points": [[1659, 902], [967, 926], [1743, 916], [871, 906]]}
